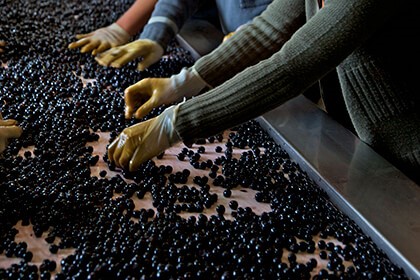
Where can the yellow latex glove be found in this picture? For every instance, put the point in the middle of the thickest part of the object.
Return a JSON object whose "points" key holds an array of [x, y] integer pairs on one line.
{"points": [[102, 39], [119, 56], [147, 94], [144, 140], [227, 36], [2, 44], [8, 129]]}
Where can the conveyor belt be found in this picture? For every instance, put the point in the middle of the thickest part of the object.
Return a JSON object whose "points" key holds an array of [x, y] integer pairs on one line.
{"points": [[356, 179], [371, 191]]}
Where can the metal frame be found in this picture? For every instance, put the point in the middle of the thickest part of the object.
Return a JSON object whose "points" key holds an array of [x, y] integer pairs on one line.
{"points": [[366, 187]]}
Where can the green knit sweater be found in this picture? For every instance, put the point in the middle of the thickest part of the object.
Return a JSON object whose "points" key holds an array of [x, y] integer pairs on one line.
{"points": [[370, 43]]}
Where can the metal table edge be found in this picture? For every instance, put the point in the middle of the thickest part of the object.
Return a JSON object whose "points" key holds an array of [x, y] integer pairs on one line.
{"points": [[382, 201]]}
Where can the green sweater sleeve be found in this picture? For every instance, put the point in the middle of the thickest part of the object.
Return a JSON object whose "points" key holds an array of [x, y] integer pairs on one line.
{"points": [[251, 44], [306, 53]]}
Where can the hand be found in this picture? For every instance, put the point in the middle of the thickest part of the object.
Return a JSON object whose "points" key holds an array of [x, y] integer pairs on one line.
{"points": [[150, 93], [8, 129], [119, 56], [144, 140], [2, 44], [227, 36], [102, 39]]}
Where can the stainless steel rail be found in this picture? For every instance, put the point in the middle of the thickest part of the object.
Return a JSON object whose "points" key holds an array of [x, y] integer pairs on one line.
{"points": [[371, 191]]}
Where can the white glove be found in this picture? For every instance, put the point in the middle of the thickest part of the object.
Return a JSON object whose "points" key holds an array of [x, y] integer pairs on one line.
{"points": [[102, 39], [119, 56], [150, 93], [144, 140], [8, 129]]}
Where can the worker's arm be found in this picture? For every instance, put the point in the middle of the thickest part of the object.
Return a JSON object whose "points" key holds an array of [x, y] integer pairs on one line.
{"points": [[165, 22], [136, 17], [311, 51], [118, 33], [266, 37]]}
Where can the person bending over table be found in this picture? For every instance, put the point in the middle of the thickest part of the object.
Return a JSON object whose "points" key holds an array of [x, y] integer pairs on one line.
{"points": [[293, 44]]}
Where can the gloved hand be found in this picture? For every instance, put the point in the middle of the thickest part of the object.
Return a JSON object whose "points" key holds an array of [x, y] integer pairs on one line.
{"points": [[144, 140], [102, 39], [149, 93], [227, 36], [2, 44], [8, 129], [119, 56]]}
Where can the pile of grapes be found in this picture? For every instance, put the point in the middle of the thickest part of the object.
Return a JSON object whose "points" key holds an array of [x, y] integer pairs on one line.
{"points": [[51, 186]]}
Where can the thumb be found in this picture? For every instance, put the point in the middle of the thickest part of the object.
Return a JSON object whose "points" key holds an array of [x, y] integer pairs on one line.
{"points": [[145, 109], [130, 97]]}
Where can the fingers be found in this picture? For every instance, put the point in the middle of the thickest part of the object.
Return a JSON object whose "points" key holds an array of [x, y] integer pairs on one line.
{"points": [[126, 154], [100, 59], [128, 112], [137, 159], [106, 58], [121, 150], [145, 109], [111, 150], [79, 43], [134, 95], [120, 56], [102, 47], [123, 59], [80, 36], [87, 44], [115, 149], [129, 159], [91, 45], [8, 129], [10, 132], [138, 143], [8, 122]]}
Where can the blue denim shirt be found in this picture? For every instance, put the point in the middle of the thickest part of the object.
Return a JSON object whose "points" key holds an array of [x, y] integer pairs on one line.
{"points": [[234, 13], [169, 16]]}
